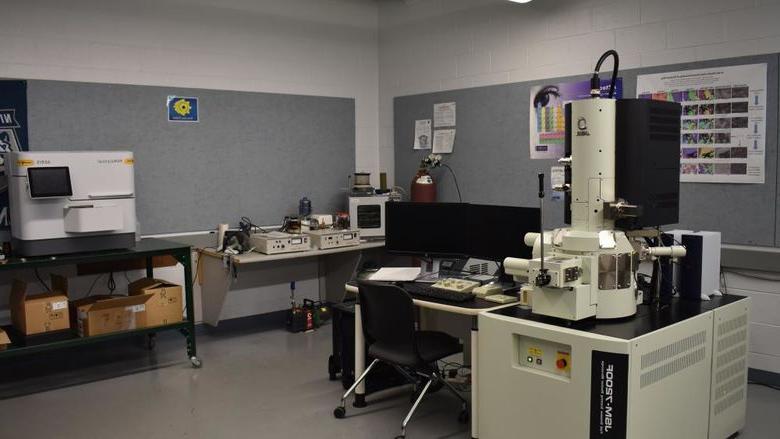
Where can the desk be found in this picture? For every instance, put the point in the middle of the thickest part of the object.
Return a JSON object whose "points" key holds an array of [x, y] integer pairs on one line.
{"points": [[471, 309], [218, 271]]}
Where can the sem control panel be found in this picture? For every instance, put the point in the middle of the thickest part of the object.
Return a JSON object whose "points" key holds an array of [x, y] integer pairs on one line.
{"points": [[544, 356]]}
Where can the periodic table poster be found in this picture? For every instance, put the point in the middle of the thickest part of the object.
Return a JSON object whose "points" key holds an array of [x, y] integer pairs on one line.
{"points": [[723, 135], [547, 121]]}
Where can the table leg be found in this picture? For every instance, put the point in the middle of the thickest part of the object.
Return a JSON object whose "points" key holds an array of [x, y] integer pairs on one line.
{"points": [[189, 333], [149, 267], [474, 380], [360, 358]]}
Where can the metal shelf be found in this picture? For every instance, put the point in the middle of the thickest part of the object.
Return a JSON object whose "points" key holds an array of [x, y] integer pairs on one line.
{"points": [[144, 249], [60, 340]]}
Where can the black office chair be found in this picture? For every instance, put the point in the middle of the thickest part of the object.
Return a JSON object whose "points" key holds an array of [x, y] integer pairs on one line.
{"points": [[388, 324]]}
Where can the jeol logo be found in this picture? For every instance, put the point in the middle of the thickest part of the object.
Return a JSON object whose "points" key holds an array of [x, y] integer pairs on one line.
{"points": [[582, 127]]}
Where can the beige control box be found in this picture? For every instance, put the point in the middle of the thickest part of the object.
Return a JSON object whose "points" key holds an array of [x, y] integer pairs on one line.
{"points": [[330, 238], [279, 242], [456, 285]]}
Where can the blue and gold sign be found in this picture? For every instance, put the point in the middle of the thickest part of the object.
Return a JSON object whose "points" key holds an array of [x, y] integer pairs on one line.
{"points": [[182, 109]]}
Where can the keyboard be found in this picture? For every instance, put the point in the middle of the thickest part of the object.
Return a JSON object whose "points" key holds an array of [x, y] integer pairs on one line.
{"points": [[427, 291]]}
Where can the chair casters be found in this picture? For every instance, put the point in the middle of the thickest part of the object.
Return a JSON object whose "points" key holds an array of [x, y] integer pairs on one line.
{"points": [[339, 412], [360, 401]]}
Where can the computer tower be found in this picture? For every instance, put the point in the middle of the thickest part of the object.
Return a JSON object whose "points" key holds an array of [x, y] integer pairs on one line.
{"points": [[647, 162], [341, 364], [700, 268]]}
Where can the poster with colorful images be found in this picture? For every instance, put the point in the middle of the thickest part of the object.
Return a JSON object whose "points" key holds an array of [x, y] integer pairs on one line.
{"points": [[13, 137], [547, 121], [723, 129]]}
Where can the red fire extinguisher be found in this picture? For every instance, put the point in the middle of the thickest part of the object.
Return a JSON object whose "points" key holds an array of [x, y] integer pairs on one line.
{"points": [[423, 186]]}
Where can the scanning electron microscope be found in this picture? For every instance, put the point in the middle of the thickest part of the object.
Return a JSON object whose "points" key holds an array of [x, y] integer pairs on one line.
{"points": [[589, 354], [588, 269]]}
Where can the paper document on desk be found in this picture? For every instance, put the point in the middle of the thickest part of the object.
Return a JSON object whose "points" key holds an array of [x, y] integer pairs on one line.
{"points": [[396, 274]]}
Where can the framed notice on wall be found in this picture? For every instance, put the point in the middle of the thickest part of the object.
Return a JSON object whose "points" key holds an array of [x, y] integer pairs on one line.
{"points": [[723, 122]]}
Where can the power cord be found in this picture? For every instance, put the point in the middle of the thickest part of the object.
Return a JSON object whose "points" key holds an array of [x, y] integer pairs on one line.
{"points": [[92, 287], [457, 187], [197, 269], [111, 284], [38, 276]]}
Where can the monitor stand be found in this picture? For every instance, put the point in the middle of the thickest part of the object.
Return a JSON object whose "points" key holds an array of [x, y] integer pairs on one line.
{"points": [[433, 269]]}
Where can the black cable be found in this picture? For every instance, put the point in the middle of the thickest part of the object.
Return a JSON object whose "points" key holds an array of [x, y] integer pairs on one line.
{"points": [[197, 269], [246, 225], [457, 187], [595, 82], [38, 276], [756, 383], [91, 287], [111, 284]]}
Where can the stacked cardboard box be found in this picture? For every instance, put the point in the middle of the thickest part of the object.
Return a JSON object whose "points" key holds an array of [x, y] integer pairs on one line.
{"points": [[4, 340]]}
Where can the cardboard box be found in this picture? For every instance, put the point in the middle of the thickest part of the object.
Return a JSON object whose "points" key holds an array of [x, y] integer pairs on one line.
{"points": [[42, 312], [105, 316], [75, 304], [4, 340], [165, 306]]}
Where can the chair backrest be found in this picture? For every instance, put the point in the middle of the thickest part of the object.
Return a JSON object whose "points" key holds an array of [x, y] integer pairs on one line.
{"points": [[387, 312]]}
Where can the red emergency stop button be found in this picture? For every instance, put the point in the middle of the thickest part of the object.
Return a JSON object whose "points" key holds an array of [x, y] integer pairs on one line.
{"points": [[561, 363]]}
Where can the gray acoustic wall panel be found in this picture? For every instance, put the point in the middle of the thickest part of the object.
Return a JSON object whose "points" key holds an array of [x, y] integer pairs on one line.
{"points": [[491, 157], [251, 154]]}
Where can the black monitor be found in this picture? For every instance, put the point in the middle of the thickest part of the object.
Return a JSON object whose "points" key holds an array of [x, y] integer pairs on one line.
{"points": [[427, 229], [459, 230], [498, 232]]}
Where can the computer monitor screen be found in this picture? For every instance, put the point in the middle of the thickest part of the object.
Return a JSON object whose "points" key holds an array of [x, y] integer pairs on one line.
{"points": [[498, 232], [432, 229]]}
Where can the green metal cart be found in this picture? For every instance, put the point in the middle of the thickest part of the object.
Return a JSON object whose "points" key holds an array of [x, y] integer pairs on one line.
{"points": [[145, 249]]}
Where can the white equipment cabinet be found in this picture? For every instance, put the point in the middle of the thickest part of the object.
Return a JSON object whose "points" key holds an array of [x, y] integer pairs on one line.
{"points": [[675, 373]]}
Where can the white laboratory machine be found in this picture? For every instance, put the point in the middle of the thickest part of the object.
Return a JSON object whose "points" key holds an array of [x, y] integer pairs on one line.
{"points": [[66, 202], [592, 358], [276, 242], [367, 215]]}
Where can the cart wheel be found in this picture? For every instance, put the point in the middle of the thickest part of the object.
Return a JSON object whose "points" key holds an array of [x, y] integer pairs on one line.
{"points": [[151, 341], [339, 412], [464, 417], [196, 363]]}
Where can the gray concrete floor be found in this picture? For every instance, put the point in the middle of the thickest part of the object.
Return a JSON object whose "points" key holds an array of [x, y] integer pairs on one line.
{"points": [[253, 385]]}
